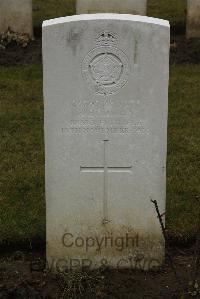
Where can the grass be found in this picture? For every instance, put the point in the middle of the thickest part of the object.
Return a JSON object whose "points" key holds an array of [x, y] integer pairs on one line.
{"points": [[49, 9], [183, 150], [172, 10], [22, 204]]}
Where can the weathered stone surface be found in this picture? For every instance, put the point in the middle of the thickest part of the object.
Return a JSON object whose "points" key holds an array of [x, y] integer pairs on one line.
{"points": [[106, 102], [135, 7], [193, 18], [16, 15]]}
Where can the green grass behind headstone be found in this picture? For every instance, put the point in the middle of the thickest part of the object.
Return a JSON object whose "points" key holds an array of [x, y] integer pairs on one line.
{"points": [[49, 9], [183, 186], [22, 205], [172, 10]]}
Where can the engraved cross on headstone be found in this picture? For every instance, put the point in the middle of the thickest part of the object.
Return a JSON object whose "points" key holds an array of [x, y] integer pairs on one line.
{"points": [[105, 169]]}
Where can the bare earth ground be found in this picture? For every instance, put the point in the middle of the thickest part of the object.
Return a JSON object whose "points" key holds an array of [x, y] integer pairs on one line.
{"points": [[16, 55], [22, 276], [182, 51]]}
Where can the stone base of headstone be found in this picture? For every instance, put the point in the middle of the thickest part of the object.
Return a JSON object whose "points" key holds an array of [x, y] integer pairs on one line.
{"points": [[16, 16], [135, 7], [193, 18]]}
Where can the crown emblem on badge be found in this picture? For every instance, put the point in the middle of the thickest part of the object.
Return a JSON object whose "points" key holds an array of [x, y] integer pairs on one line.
{"points": [[106, 38]]}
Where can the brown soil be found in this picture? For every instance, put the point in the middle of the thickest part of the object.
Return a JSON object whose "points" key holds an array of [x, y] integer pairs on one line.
{"points": [[17, 55], [22, 276], [182, 51]]}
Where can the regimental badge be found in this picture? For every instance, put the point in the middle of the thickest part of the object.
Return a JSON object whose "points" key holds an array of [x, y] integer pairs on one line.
{"points": [[106, 67]]}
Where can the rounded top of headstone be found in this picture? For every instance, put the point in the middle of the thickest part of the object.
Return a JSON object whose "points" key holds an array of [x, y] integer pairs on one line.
{"points": [[106, 16]]}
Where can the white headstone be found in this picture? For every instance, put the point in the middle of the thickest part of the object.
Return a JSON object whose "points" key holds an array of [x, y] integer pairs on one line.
{"points": [[135, 7], [106, 102], [193, 18], [16, 15]]}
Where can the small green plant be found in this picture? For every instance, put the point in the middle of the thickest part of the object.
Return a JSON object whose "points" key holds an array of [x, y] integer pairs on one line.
{"points": [[194, 288], [75, 284], [12, 38]]}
